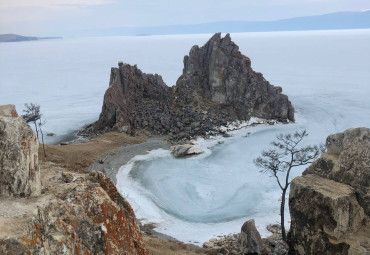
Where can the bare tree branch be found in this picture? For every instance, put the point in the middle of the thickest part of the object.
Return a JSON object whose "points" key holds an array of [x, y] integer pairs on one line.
{"points": [[33, 115]]}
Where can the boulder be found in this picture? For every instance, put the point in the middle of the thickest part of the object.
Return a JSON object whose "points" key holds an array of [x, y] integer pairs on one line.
{"points": [[250, 239], [347, 161], [19, 169], [184, 150], [329, 204]]}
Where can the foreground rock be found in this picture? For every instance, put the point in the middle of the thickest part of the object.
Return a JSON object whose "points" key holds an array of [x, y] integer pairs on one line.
{"points": [[217, 86], [249, 241], [76, 214], [329, 204], [19, 170]]}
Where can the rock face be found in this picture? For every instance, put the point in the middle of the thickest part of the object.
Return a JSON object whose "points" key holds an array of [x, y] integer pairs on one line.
{"points": [[218, 85], [132, 97], [250, 239], [77, 214], [19, 170], [329, 204], [8, 111], [219, 73]]}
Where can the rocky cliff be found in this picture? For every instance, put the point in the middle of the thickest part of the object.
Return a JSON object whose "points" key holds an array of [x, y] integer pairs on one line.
{"points": [[217, 85], [19, 170], [76, 214], [329, 204], [69, 214]]}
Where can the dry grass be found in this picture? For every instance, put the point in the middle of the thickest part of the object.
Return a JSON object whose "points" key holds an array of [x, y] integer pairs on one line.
{"points": [[163, 247], [78, 156]]}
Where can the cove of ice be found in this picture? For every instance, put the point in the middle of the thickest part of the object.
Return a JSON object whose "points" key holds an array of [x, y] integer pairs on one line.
{"points": [[199, 198]]}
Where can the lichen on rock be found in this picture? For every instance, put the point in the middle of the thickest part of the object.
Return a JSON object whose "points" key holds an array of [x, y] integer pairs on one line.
{"points": [[76, 214], [329, 204], [19, 170]]}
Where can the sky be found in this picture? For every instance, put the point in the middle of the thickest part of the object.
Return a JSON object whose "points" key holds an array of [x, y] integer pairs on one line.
{"points": [[58, 17]]}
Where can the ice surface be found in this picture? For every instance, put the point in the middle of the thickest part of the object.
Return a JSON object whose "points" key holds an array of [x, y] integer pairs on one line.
{"points": [[324, 73]]}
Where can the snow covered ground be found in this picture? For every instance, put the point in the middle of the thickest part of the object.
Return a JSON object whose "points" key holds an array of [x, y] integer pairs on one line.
{"points": [[324, 73]]}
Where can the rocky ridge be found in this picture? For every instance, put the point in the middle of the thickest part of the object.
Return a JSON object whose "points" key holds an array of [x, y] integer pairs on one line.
{"points": [[329, 204], [217, 86]]}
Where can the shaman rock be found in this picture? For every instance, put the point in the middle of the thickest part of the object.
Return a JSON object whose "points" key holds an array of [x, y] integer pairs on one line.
{"points": [[217, 86]]}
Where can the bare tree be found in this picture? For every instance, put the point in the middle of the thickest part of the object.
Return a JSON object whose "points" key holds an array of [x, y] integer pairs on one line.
{"points": [[42, 123], [285, 155], [33, 115]]}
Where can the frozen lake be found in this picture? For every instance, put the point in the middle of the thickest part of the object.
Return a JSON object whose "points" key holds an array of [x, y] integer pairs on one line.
{"points": [[325, 74]]}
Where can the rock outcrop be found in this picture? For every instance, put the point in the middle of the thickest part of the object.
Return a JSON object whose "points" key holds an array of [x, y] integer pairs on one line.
{"points": [[217, 86], [219, 73], [133, 99], [329, 204], [250, 239], [76, 214], [19, 170]]}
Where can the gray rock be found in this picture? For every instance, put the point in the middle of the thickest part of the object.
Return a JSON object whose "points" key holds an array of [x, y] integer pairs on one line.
{"points": [[19, 169], [184, 150], [250, 239]]}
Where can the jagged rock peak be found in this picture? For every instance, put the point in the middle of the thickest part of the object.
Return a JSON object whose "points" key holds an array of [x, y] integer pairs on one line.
{"points": [[218, 72], [130, 91]]}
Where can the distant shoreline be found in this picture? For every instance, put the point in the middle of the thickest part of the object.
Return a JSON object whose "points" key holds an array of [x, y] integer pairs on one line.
{"points": [[21, 38]]}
